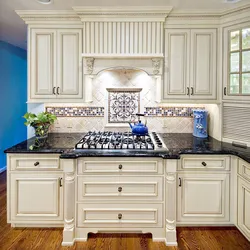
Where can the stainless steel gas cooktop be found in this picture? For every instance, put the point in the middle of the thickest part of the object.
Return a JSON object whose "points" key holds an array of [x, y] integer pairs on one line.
{"points": [[107, 140]]}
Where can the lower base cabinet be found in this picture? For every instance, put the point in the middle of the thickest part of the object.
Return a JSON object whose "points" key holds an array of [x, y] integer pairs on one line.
{"points": [[203, 199], [36, 198], [244, 207]]}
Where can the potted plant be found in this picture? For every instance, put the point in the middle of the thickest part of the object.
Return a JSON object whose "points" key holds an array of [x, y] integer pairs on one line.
{"points": [[41, 123]]}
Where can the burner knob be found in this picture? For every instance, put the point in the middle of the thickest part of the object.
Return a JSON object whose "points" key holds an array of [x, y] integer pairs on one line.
{"points": [[159, 144], [120, 166]]}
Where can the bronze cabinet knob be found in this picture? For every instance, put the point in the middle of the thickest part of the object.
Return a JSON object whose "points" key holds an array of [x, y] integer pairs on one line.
{"points": [[120, 166], [119, 216], [36, 163], [119, 189], [204, 163]]}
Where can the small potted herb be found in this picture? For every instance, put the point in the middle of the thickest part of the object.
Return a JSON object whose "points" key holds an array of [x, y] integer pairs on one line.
{"points": [[41, 123]]}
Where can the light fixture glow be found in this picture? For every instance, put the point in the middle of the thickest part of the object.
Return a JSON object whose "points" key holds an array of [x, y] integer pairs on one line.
{"points": [[232, 1], [44, 1]]}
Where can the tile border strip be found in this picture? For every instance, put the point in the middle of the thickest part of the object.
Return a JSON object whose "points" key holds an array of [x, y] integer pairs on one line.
{"points": [[76, 111]]}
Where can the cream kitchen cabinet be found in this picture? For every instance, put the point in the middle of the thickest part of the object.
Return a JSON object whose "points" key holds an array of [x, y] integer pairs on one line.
{"points": [[190, 64], [35, 190], [244, 198], [203, 191], [55, 65], [115, 194]]}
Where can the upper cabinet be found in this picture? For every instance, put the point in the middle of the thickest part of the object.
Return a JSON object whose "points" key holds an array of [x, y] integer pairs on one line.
{"points": [[190, 64], [55, 64], [236, 77]]}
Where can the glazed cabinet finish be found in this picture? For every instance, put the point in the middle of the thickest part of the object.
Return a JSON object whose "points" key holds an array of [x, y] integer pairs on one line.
{"points": [[118, 194], [36, 197], [190, 60], [203, 198], [244, 198], [35, 190], [55, 64], [203, 190], [42, 63]]}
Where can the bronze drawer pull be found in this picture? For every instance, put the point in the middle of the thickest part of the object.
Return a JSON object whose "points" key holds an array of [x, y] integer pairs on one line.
{"points": [[119, 216], [120, 166], [36, 163], [119, 189], [204, 163]]}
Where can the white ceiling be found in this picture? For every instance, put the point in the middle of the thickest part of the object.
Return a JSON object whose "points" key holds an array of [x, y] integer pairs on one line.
{"points": [[13, 29]]}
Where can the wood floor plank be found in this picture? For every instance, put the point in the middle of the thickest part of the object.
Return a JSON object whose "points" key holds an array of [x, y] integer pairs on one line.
{"points": [[189, 238]]}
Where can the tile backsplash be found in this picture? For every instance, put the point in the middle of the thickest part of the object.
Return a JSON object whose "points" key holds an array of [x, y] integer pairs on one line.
{"points": [[117, 96]]}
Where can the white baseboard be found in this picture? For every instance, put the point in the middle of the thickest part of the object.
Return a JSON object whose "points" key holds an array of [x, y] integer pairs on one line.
{"points": [[2, 169]]}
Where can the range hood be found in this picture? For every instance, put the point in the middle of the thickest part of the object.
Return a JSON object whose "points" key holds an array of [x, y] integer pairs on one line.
{"points": [[130, 37]]}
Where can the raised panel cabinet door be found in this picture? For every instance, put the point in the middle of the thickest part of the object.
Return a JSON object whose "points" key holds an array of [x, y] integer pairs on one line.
{"points": [[203, 64], [244, 206], [42, 63], [203, 198], [177, 48], [35, 197], [69, 66]]}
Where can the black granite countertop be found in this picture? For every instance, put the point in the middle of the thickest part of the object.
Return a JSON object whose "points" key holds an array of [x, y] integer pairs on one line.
{"points": [[181, 143]]}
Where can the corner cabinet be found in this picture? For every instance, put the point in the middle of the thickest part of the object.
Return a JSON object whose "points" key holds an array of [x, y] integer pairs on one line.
{"points": [[244, 198], [35, 190], [190, 64], [55, 64]]}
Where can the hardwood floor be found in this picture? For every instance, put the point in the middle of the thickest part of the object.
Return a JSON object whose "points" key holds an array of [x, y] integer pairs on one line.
{"points": [[228, 238]]}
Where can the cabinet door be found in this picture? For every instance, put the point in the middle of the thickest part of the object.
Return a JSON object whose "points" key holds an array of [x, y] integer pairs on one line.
{"points": [[203, 64], [203, 198], [35, 197], [177, 48], [244, 206], [42, 63], [69, 71]]}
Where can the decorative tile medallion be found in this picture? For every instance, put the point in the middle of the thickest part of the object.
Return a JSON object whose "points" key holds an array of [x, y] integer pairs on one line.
{"points": [[76, 111], [170, 111], [123, 104]]}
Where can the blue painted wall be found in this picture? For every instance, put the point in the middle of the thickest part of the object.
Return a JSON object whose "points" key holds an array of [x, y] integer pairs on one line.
{"points": [[13, 97]]}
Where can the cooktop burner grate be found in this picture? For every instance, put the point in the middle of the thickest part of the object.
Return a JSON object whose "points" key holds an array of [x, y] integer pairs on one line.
{"points": [[120, 141]]}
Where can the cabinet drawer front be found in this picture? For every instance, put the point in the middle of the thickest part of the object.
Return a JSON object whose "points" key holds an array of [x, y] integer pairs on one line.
{"points": [[120, 187], [119, 215], [244, 169], [35, 162], [114, 165], [204, 162]]}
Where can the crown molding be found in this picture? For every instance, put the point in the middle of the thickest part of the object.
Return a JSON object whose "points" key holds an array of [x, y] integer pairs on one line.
{"points": [[129, 13], [45, 16], [211, 13]]}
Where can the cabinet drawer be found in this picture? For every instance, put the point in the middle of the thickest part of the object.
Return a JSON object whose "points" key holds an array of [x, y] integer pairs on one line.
{"points": [[204, 163], [119, 215], [244, 169], [120, 188], [34, 162], [114, 165]]}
